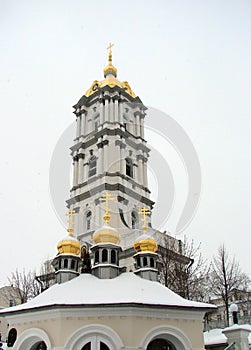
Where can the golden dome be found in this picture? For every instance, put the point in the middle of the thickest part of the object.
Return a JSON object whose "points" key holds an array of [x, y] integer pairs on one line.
{"points": [[106, 234], [145, 244], [110, 74], [69, 245]]}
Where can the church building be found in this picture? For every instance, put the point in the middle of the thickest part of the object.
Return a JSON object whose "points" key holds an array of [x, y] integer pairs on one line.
{"points": [[107, 294]]}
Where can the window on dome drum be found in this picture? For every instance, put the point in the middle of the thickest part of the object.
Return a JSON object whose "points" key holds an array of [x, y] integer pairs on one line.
{"points": [[96, 260], [73, 264], [65, 263], [129, 167], [160, 344], [134, 218], [88, 220], [113, 256], [151, 262], [104, 255], [92, 166], [144, 261]]}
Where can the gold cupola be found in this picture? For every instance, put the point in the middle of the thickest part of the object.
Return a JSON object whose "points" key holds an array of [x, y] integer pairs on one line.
{"points": [[145, 242], [106, 234], [69, 245], [110, 75]]}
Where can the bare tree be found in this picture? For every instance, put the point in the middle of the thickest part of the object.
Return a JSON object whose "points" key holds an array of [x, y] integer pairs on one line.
{"points": [[46, 277], [184, 269], [226, 276], [25, 285]]}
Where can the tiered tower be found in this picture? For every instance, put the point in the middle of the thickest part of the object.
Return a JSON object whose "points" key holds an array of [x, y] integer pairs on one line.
{"points": [[109, 154]]}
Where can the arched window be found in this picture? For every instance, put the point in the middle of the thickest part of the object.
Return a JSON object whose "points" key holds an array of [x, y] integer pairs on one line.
{"points": [[39, 346], [96, 260], [87, 346], [134, 218], [92, 166], [138, 261], [73, 264], [160, 344], [151, 262], [129, 167], [103, 346], [88, 220], [12, 336], [104, 255], [113, 256], [144, 261], [90, 346], [65, 263]]}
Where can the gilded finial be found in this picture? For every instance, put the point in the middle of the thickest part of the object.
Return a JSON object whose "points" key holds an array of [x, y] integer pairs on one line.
{"points": [[110, 69], [70, 213], [109, 48], [144, 212], [106, 198]]}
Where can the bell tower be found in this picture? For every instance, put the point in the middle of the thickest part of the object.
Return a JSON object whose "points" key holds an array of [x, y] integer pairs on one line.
{"points": [[109, 154]]}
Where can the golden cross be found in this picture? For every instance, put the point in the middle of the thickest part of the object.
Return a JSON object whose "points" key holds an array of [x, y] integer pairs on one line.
{"points": [[70, 213], [110, 48], [106, 198], [144, 212]]}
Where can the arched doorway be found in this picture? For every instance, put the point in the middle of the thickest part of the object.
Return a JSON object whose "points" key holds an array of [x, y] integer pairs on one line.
{"points": [[160, 344]]}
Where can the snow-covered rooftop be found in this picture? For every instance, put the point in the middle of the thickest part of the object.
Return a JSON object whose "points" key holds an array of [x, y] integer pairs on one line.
{"points": [[127, 288], [215, 336]]}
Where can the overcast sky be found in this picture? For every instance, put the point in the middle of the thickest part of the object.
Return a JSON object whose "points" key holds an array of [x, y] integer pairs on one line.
{"points": [[189, 59]]}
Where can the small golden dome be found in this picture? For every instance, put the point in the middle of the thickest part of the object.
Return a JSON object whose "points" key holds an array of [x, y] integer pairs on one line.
{"points": [[69, 245], [145, 244], [106, 234], [110, 69], [110, 75]]}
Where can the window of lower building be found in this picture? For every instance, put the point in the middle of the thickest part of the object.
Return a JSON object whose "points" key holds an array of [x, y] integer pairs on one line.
{"points": [[90, 346], [160, 344]]}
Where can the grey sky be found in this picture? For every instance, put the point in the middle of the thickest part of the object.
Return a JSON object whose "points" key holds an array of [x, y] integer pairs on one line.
{"points": [[190, 59]]}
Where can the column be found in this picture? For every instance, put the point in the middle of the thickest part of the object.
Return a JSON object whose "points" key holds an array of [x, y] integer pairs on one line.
{"points": [[106, 111], [78, 126], [116, 111], [137, 129], [142, 134], [82, 131], [101, 113], [80, 168], [75, 170]]}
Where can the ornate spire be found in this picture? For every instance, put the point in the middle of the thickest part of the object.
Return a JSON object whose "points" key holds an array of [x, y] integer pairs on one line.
{"points": [[144, 212], [110, 69], [106, 198], [70, 213]]}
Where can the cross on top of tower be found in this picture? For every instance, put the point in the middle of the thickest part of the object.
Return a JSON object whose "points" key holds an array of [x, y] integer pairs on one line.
{"points": [[144, 212], [70, 213], [109, 48], [106, 198]]}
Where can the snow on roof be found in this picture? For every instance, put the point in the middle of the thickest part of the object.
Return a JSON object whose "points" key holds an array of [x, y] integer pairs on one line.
{"points": [[215, 336], [87, 289]]}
